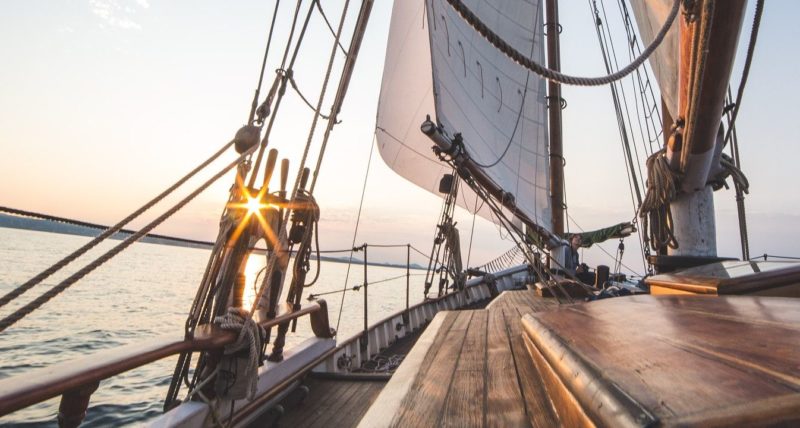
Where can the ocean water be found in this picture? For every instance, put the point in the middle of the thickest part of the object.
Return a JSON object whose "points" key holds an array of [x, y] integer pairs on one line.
{"points": [[144, 292]]}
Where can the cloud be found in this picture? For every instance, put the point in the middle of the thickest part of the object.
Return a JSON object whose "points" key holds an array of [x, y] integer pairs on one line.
{"points": [[118, 13]]}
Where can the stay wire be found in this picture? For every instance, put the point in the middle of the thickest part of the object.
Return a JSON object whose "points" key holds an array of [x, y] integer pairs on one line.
{"points": [[355, 232], [54, 291], [328, 23], [283, 72], [10, 296], [751, 47], [318, 109], [254, 105]]}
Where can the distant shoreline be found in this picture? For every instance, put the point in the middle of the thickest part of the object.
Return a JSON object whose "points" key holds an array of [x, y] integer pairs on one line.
{"points": [[43, 225]]}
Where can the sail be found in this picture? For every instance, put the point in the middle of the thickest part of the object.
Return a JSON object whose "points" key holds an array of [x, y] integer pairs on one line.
{"points": [[438, 65], [650, 16]]}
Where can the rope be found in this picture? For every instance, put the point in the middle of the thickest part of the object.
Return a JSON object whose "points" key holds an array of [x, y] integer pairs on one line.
{"points": [[381, 364], [282, 77], [10, 296], [253, 106], [553, 75], [305, 100], [355, 232], [765, 256], [608, 52], [317, 110], [45, 297], [357, 287], [250, 337], [748, 62], [655, 211], [328, 23]]}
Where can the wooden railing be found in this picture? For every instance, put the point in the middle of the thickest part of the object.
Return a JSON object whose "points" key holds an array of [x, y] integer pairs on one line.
{"points": [[76, 380]]}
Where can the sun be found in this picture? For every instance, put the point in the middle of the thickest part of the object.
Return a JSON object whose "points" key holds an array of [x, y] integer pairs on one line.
{"points": [[254, 205]]}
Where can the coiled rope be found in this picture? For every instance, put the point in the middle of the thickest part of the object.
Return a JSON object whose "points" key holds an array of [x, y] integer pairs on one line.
{"points": [[554, 75], [251, 336], [662, 185]]}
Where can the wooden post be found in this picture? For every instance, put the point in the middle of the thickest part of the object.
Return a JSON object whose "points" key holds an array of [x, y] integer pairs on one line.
{"points": [[554, 96], [73, 405]]}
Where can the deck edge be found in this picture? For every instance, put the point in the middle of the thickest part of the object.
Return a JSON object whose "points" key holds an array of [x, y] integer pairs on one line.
{"points": [[599, 398], [385, 407]]}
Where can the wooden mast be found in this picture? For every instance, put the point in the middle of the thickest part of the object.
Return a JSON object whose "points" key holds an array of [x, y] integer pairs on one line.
{"points": [[552, 29], [707, 49]]}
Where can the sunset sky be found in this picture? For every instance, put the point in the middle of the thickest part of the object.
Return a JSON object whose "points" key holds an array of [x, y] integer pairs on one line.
{"points": [[103, 103]]}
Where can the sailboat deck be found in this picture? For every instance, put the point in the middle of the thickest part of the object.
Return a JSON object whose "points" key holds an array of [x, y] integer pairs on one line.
{"points": [[630, 361], [475, 371]]}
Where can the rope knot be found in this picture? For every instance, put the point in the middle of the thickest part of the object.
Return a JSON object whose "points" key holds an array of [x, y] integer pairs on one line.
{"points": [[238, 375]]}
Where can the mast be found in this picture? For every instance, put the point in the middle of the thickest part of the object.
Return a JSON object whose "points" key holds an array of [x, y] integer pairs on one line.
{"points": [[707, 48], [552, 29]]}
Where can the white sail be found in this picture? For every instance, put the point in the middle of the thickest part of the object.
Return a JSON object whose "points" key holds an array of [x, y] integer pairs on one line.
{"points": [[650, 16], [438, 65]]}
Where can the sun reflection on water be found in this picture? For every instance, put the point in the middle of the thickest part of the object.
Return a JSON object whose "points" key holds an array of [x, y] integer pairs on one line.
{"points": [[253, 277]]}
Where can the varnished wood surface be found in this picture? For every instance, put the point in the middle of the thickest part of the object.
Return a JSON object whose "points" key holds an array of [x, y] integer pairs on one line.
{"points": [[684, 359], [478, 372], [331, 403], [731, 278]]}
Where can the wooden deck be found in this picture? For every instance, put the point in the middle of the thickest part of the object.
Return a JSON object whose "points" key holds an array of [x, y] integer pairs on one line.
{"points": [[472, 370], [330, 403], [673, 360], [630, 361]]}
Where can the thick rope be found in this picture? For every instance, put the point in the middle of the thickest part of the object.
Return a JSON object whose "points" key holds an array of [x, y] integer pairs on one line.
{"points": [[56, 290], [10, 296], [251, 336], [751, 47], [553, 75], [655, 212]]}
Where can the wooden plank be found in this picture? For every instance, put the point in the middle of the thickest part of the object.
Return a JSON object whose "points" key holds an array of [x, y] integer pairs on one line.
{"points": [[350, 412], [538, 406], [423, 404], [504, 402], [329, 397], [677, 359], [389, 403], [464, 405]]}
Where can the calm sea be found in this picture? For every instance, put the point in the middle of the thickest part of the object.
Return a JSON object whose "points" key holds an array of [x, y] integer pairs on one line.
{"points": [[146, 291]]}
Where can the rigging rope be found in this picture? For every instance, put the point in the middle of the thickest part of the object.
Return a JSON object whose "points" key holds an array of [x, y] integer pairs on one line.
{"points": [[355, 231], [328, 23], [253, 106], [10, 296], [553, 75], [54, 291], [751, 47], [281, 76], [608, 52]]}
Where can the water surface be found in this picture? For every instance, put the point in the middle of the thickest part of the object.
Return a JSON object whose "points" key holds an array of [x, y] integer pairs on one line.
{"points": [[144, 292]]}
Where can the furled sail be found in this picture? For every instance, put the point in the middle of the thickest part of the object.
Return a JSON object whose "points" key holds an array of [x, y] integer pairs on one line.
{"points": [[650, 16], [438, 65]]}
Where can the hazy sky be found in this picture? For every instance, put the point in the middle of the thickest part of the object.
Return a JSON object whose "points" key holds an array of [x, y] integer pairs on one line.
{"points": [[103, 103]]}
